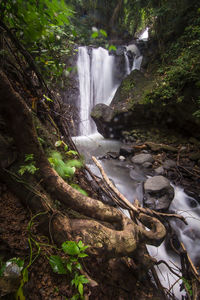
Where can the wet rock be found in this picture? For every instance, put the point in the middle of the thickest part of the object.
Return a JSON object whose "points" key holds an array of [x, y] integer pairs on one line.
{"points": [[158, 193], [102, 115], [126, 150], [168, 164], [137, 175], [140, 159], [147, 165], [159, 171], [113, 155]]}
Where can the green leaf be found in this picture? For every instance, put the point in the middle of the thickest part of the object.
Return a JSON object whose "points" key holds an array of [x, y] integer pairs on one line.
{"points": [[69, 267], [81, 255], [47, 98], [70, 247], [95, 34], [58, 143], [66, 147], [78, 266], [74, 163], [75, 297], [57, 264], [29, 157], [72, 152], [80, 288], [103, 32], [112, 47]]}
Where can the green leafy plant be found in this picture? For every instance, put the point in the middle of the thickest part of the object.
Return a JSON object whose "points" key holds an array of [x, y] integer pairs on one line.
{"points": [[29, 166], [60, 143], [45, 29], [65, 169], [60, 265]]}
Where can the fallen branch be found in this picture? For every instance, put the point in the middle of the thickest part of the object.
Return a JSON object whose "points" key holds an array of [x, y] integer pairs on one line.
{"points": [[137, 210]]}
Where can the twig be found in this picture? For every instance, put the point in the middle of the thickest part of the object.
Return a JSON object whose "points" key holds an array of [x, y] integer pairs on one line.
{"points": [[194, 270], [164, 262], [191, 173]]}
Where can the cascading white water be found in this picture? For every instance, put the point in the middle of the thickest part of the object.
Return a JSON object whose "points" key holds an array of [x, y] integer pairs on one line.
{"points": [[97, 81], [189, 235]]}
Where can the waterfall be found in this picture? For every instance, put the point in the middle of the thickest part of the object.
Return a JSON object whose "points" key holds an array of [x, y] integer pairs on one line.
{"points": [[97, 81]]}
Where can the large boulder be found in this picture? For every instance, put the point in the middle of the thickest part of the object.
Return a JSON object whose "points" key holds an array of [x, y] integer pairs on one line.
{"points": [[102, 114], [158, 193]]}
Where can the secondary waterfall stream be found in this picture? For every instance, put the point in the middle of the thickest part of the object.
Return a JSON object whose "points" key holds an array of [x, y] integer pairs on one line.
{"points": [[98, 85]]}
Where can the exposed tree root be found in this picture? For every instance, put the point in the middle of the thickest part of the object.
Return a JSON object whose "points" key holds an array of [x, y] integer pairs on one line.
{"points": [[104, 228]]}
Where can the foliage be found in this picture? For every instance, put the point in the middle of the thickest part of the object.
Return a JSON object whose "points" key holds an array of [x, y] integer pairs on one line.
{"points": [[45, 29], [65, 169], [184, 67], [65, 146], [60, 265], [29, 166]]}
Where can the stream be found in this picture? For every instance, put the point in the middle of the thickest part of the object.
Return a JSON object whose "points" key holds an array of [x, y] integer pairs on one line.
{"points": [[98, 84]]}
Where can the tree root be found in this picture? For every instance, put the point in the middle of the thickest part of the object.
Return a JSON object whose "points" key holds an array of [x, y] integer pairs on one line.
{"points": [[104, 228]]}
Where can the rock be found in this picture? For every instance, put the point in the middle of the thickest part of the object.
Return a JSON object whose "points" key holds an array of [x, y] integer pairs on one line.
{"points": [[168, 164], [102, 115], [120, 50], [113, 155], [137, 175], [122, 158], [147, 165], [10, 280], [126, 150], [159, 171], [158, 193], [140, 159]]}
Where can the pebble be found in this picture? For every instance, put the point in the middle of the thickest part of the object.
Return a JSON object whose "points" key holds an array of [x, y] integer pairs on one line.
{"points": [[122, 158]]}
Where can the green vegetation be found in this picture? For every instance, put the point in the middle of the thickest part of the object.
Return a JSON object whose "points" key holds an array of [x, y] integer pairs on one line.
{"points": [[178, 81], [29, 166], [45, 30], [60, 265], [64, 169]]}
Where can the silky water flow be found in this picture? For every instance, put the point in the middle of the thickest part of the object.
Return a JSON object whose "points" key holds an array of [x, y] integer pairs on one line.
{"points": [[98, 85]]}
